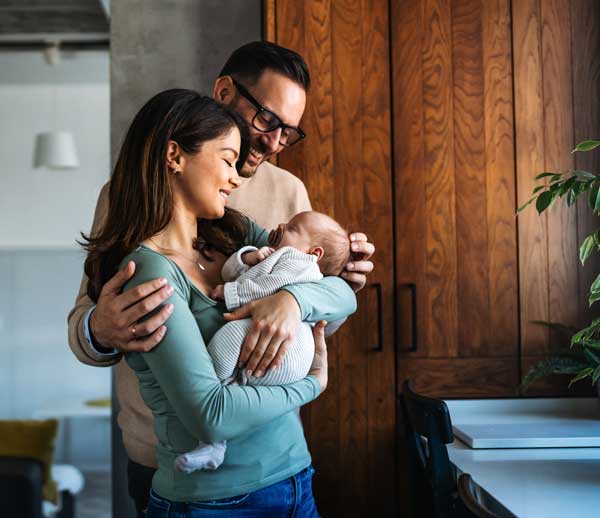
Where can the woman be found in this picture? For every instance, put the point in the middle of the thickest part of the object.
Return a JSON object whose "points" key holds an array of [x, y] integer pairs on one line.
{"points": [[167, 212]]}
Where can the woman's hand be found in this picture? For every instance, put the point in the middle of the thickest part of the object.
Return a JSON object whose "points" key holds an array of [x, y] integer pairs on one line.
{"points": [[275, 320], [319, 365]]}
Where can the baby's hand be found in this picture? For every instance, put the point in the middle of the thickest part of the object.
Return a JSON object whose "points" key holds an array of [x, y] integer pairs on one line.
{"points": [[218, 293], [253, 258]]}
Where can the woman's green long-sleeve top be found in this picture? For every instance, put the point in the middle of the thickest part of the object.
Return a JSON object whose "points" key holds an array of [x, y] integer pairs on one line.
{"points": [[178, 383]]}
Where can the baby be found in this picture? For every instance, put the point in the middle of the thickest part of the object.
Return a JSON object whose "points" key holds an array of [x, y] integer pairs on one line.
{"points": [[309, 246]]}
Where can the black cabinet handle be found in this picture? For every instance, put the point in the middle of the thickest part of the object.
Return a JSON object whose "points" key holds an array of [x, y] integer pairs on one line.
{"points": [[379, 347], [415, 336]]}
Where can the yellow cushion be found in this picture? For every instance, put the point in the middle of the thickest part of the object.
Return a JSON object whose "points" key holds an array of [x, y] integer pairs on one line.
{"points": [[102, 402], [35, 440]]}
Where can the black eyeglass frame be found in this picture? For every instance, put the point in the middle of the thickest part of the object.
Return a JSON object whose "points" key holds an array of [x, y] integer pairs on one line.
{"points": [[261, 109]]}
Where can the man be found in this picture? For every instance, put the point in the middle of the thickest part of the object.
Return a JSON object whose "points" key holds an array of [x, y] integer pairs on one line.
{"points": [[267, 85]]}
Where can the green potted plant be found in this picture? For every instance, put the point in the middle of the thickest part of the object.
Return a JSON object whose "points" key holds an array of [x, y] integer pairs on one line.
{"points": [[582, 358]]}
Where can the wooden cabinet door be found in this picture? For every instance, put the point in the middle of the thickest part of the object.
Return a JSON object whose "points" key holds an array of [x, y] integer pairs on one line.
{"points": [[345, 163], [556, 75], [456, 250]]}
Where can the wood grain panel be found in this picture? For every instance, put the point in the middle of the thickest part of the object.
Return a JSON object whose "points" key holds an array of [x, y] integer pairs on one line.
{"points": [[461, 377], [319, 117], [319, 176], [471, 185], [289, 22], [500, 171], [378, 221], [269, 27], [585, 43], [409, 165], [347, 41], [558, 143], [441, 330], [529, 126]]}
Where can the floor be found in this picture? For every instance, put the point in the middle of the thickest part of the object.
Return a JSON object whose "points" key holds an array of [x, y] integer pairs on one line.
{"points": [[95, 499]]}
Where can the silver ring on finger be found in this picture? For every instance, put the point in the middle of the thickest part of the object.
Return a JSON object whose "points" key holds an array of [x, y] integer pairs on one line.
{"points": [[133, 332]]}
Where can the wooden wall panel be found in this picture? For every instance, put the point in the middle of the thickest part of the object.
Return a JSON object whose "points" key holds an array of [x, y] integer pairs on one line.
{"points": [[454, 175], [347, 105], [500, 165], [585, 44], [377, 177], [441, 327], [563, 255], [406, 36], [345, 163], [556, 85], [529, 128], [462, 377], [471, 189]]}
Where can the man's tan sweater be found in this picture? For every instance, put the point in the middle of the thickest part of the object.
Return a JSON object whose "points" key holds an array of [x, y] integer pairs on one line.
{"points": [[270, 197]]}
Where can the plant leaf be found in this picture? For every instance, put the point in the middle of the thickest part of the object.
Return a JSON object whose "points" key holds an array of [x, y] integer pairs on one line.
{"points": [[585, 174], [586, 145], [571, 197], [584, 373], [556, 326], [594, 195], [546, 174], [566, 185], [525, 205], [594, 297], [586, 248], [544, 201], [538, 189], [595, 375], [560, 364], [591, 356]]}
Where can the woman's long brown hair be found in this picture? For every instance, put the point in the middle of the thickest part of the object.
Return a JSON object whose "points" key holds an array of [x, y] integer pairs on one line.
{"points": [[140, 196]]}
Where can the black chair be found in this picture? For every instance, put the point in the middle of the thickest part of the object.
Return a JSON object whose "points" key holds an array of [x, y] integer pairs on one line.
{"points": [[437, 491], [469, 499], [21, 482]]}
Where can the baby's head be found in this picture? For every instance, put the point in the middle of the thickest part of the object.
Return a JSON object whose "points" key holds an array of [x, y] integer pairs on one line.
{"points": [[315, 233]]}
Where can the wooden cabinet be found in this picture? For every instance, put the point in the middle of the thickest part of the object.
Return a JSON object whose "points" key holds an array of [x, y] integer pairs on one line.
{"points": [[456, 250], [346, 165], [427, 123]]}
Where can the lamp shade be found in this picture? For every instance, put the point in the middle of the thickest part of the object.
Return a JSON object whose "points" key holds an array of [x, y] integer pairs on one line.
{"points": [[55, 150]]}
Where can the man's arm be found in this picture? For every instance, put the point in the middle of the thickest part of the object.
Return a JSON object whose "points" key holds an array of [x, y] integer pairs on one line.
{"points": [[78, 316], [94, 330]]}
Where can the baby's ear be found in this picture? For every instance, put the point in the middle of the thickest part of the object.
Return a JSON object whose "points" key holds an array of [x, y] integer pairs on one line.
{"points": [[318, 251]]}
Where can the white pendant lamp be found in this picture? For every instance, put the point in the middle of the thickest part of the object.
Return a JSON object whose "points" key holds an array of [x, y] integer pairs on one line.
{"points": [[55, 150]]}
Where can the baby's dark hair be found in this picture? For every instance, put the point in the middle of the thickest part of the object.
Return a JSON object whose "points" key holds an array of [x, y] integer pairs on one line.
{"points": [[336, 246]]}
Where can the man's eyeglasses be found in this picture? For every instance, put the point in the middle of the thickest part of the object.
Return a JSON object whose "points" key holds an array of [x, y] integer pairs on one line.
{"points": [[266, 121]]}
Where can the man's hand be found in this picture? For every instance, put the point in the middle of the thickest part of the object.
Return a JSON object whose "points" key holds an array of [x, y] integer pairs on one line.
{"points": [[360, 253], [275, 321], [114, 321], [257, 256]]}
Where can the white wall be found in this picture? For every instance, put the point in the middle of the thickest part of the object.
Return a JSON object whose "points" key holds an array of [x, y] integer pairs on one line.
{"points": [[41, 208], [41, 214]]}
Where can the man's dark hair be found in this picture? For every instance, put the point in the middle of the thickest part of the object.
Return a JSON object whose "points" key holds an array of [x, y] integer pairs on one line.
{"points": [[249, 61]]}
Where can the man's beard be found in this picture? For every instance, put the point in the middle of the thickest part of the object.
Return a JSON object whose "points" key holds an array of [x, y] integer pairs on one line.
{"points": [[247, 170]]}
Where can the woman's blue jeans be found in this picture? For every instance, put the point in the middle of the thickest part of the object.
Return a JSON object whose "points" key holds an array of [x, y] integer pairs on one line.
{"points": [[290, 498]]}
